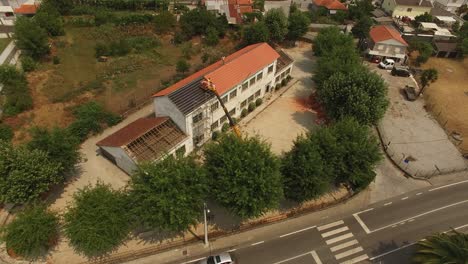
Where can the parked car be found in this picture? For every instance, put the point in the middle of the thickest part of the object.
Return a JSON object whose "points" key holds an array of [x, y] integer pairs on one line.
{"points": [[387, 64], [410, 93], [402, 71], [223, 258]]}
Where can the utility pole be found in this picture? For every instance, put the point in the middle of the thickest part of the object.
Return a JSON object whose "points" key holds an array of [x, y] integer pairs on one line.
{"points": [[205, 211]]}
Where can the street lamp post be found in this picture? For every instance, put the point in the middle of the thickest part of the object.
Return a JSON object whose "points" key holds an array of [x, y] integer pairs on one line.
{"points": [[206, 211]]}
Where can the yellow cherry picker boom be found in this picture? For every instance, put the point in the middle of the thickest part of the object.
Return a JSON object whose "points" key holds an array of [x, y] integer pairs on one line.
{"points": [[209, 85]]}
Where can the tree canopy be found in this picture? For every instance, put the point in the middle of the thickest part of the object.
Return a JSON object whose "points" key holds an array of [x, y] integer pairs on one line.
{"points": [[426, 17], [168, 195], [48, 18], [164, 22], [245, 175], [212, 36], [25, 174], [359, 9], [198, 20], [277, 24], [362, 28], [30, 37], [98, 220], [360, 94], [298, 25], [451, 247], [33, 232], [331, 37], [255, 33]]}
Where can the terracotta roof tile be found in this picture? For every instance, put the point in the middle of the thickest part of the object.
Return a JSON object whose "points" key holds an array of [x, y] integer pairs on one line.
{"points": [[331, 4], [236, 68], [26, 9], [131, 131], [382, 33]]}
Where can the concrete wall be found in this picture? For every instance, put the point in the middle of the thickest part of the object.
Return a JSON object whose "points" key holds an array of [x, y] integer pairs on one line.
{"points": [[450, 5], [164, 107], [122, 160]]}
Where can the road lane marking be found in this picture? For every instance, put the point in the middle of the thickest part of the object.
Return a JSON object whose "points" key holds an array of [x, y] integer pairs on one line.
{"points": [[389, 203], [348, 253], [323, 227], [232, 250], [258, 243], [298, 231], [411, 220], [291, 258], [419, 193], [363, 211], [344, 245], [419, 215], [448, 185], [316, 257], [334, 232], [358, 219], [336, 239], [191, 261], [404, 198], [391, 251], [356, 259]]}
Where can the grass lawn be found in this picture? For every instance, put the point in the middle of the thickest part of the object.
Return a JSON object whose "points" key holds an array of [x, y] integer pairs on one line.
{"points": [[3, 43]]}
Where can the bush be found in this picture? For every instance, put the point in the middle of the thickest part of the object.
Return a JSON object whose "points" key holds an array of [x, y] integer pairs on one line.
{"points": [[244, 113], [225, 127], [283, 82], [33, 232], [15, 88], [101, 49], [6, 133], [258, 102], [56, 60], [179, 37], [28, 64], [277, 87], [31, 38], [182, 66], [212, 37], [251, 107], [141, 43], [215, 135]]}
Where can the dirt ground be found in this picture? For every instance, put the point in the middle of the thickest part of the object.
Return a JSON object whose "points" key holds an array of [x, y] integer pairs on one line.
{"points": [[447, 98]]}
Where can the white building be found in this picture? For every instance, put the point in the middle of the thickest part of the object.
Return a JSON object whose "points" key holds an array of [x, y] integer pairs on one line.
{"points": [[186, 114], [450, 5]]}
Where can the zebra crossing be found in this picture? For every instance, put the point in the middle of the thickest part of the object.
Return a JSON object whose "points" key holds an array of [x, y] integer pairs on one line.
{"points": [[342, 243]]}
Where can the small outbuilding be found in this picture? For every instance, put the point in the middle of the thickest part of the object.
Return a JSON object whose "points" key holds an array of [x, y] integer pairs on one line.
{"points": [[446, 49]]}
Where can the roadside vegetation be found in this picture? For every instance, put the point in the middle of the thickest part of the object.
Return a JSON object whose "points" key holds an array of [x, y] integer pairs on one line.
{"points": [[450, 247]]}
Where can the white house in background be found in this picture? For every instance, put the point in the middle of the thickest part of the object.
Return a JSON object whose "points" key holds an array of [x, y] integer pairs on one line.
{"points": [[233, 9], [406, 8], [450, 5], [186, 114]]}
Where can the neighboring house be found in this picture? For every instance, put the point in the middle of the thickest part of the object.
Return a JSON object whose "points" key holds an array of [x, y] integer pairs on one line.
{"points": [[332, 5], [233, 9], [386, 42], [406, 8], [450, 5], [446, 49], [186, 114], [7, 16], [27, 9]]}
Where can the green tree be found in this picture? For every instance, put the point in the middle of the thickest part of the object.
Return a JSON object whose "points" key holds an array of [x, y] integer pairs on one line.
{"points": [[362, 28], [360, 8], [360, 94], [48, 18], [31, 38], [303, 171], [277, 24], [63, 6], [60, 145], [182, 66], [245, 175], [426, 17], [6, 133], [298, 25], [25, 174], [428, 76], [331, 37], [339, 59], [464, 46], [259, 4], [212, 37], [98, 221], [33, 232], [164, 22], [441, 248], [168, 195], [198, 20], [255, 33], [15, 88], [424, 49]]}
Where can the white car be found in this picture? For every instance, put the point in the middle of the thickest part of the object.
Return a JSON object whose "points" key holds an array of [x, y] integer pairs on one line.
{"points": [[387, 64], [223, 258]]}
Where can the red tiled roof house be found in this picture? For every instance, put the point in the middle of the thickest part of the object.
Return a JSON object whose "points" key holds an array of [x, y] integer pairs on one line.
{"points": [[186, 115], [233, 9], [386, 42], [331, 5]]}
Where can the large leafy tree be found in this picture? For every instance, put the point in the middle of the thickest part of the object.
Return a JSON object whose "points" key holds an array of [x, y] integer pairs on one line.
{"points": [[31, 38], [60, 145], [428, 76], [63, 6], [48, 18], [362, 28], [298, 25], [245, 175], [255, 33], [360, 9], [277, 24], [441, 248], [25, 174], [98, 221], [331, 37], [168, 195], [33, 232], [360, 94], [198, 20]]}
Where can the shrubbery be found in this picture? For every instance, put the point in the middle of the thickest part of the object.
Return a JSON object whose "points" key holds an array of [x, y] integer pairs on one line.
{"points": [[15, 88], [258, 102], [6, 133], [28, 64], [251, 107]]}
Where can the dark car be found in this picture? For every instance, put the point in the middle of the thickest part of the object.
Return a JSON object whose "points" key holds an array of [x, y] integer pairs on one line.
{"points": [[410, 93], [402, 71]]}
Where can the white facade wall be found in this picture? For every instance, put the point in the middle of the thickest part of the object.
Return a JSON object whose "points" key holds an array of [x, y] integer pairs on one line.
{"points": [[164, 107], [450, 5], [122, 160]]}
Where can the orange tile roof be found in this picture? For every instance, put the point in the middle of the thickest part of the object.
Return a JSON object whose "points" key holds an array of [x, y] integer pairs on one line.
{"points": [[236, 68], [26, 9], [382, 33], [331, 4]]}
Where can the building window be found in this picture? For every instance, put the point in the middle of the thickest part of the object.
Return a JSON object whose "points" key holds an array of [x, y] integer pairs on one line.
{"points": [[196, 118], [251, 98], [277, 79], [180, 151], [233, 94], [198, 139], [225, 99], [409, 9], [252, 81], [223, 119], [214, 125], [244, 104], [270, 69], [380, 47], [259, 76], [245, 86], [288, 71], [257, 94], [397, 50], [232, 112], [214, 106]]}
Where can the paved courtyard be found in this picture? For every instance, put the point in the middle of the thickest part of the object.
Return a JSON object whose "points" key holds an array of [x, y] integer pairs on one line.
{"points": [[416, 141]]}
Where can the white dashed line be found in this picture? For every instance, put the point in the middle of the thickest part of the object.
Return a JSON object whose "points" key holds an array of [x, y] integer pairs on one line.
{"points": [[191, 261], [448, 185], [348, 253], [404, 198], [344, 245], [336, 239], [389, 203], [232, 250], [334, 232], [411, 220], [356, 260], [298, 231], [316, 257], [419, 193], [258, 243], [323, 227]]}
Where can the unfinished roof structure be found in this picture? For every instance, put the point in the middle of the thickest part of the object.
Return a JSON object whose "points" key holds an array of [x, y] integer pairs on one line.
{"points": [[146, 139]]}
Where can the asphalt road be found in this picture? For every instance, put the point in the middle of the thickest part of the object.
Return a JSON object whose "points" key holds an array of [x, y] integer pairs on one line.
{"points": [[386, 232]]}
